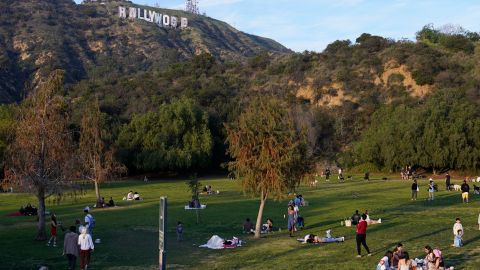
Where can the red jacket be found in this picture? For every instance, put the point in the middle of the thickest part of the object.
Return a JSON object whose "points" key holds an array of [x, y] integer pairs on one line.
{"points": [[362, 227]]}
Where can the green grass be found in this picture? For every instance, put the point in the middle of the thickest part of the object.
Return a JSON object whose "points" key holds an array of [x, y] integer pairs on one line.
{"points": [[130, 238]]}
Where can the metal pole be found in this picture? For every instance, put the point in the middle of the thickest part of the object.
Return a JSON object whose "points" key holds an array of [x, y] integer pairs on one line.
{"points": [[162, 236]]}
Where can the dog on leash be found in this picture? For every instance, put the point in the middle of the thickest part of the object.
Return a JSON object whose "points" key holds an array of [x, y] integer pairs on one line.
{"points": [[457, 187]]}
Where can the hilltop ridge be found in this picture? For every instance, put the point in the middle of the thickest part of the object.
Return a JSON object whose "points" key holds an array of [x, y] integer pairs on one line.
{"points": [[89, 40]]}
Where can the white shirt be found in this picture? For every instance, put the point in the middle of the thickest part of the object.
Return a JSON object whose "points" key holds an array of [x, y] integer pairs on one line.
{"points": [[85, 242], [456, 227], [383, 264], [136, 195]]}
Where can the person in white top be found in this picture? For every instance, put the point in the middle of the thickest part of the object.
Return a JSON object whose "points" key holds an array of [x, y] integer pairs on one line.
{"points": [[130, 196], [478, 221], [384, 263], [86, 248], [457, 226]]}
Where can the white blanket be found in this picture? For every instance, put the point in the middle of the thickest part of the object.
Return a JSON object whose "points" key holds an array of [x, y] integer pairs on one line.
{"points": [[202, 206], [215, 242]]}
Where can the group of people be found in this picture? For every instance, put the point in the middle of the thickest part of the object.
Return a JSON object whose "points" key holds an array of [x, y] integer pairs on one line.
{"points": [[101, 203], [249, 227], [28, 210], [327, 173], [132, 196], [432, 188], [75, 245], [294, 220], [208, 190], [399, 259]]}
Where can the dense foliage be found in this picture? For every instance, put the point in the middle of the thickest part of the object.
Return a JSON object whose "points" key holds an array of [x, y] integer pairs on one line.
{"points": [[176, 137], [442, 134]]}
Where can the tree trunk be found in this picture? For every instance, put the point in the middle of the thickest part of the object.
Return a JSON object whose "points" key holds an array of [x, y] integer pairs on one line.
{"points": [[258, 225], [41, 232], [97, 193]]}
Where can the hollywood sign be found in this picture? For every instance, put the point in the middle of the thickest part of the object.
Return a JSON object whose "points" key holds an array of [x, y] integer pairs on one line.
{"points": [[162, 20]]}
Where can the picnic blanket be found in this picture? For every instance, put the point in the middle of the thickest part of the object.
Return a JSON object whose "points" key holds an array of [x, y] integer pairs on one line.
{"points": [[216, 242], [202, 206], [14, 214]]}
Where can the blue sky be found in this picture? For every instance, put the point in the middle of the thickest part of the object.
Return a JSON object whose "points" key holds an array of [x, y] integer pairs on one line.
{"points": [[313, 24]]}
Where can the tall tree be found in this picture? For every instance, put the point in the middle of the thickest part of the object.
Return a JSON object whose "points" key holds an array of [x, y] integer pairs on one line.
{"points": [[96, 154], [40, 156], [269, 153]]}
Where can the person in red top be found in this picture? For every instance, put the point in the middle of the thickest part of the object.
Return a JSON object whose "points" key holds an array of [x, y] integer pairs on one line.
{"points": [[362, 236]]}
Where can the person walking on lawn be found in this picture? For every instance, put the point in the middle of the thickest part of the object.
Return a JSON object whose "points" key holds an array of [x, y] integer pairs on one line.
{"points": [[362, 236]]}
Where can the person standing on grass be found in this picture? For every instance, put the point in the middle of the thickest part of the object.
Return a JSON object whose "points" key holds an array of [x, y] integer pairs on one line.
{"points": [[53, 231], [361, 236], [70, 247], [414, 190], [86, 248], [431, 190], [465, 189], [179, 231], [291, 219], [447, 182], [89, 220]]}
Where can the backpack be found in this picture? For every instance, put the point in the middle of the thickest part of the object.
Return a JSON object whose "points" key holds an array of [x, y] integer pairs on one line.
{"points": [[91, 221]]}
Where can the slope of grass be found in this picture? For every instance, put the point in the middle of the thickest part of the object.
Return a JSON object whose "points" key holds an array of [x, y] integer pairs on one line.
{"points": [[129, 233]]}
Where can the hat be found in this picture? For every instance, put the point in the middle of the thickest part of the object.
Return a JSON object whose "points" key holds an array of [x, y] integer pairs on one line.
{"points": [[86, 209]]}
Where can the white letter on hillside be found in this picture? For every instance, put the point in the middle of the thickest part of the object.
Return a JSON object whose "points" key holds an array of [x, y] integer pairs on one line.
{"points": [[173, 21], [158, 19], [122, 12], [151, 14], [132, 13], [183, 22], [166, 20]]}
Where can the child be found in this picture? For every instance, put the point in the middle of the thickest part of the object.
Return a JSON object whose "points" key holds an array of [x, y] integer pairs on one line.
{"points": [[53, 231], [179, 231], [457, 227], [458, 239]]}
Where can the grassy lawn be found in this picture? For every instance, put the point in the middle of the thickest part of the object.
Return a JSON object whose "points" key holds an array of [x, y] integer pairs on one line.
{"points": [[129, 233]]}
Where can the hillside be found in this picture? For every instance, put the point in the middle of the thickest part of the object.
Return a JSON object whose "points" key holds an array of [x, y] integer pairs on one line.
{"points": [[90, 40]]}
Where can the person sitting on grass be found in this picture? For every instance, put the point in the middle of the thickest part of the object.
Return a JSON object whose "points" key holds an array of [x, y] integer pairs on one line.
{"points": [[29, 210], [100, 203], [269, 225], [405, 263], [355, 218], [129, 196], [434, 259], [111, 203], [248, 226], [397, 255], [458, 239], [385, 261], [136, 196]]}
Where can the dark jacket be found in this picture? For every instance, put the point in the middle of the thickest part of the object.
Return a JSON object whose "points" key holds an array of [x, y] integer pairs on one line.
{"points": [[465, 187]]}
